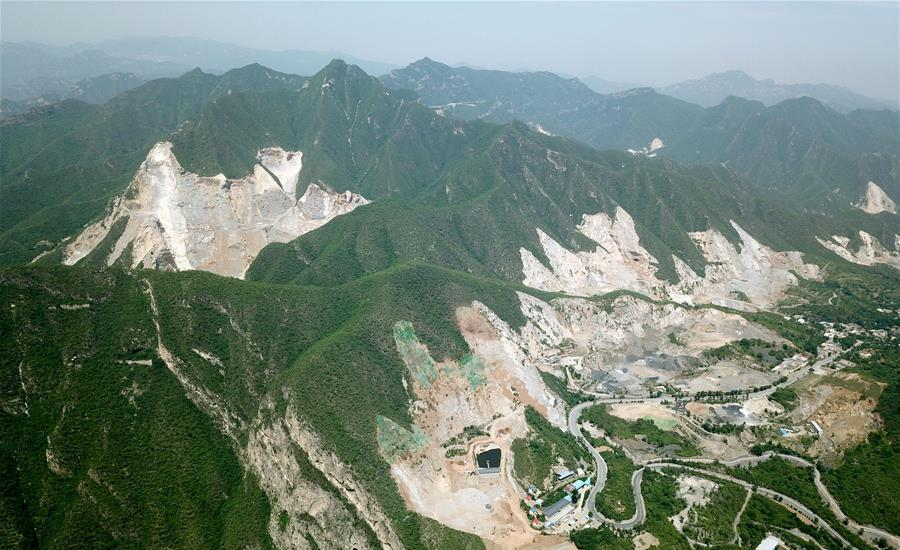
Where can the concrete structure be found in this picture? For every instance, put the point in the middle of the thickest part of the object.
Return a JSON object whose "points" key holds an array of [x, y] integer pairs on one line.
{"points": [[770, 543], [581, 483], [564, 474], [488, 462], [558, 510], [816, 427]]}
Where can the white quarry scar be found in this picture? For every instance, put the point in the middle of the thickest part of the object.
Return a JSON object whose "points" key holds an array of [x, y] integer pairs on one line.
{"points": [[747, 276], [163, 178], [175, 219], [870, 250]]}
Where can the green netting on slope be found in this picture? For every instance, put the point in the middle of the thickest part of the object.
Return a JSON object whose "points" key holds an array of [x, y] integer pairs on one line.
{"points": [[414, 354], [471, 368], [395, 441]]}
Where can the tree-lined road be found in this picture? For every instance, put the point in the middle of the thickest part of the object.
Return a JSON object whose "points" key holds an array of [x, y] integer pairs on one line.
{"points": [[871, 534]]}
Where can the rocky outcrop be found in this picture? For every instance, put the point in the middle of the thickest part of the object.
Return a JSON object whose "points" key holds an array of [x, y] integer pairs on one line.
{"points": [[486, 390], [178, 220], [301, 508], [743, 276], [876, 201], [618, 262], [622, 332], [736, 275], [650, 150], [870, 251], [337, 512]]}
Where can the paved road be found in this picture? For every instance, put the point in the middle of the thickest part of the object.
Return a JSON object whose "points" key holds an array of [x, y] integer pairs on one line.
{"points": [[870, 533], [773, 495], [602, 470]]}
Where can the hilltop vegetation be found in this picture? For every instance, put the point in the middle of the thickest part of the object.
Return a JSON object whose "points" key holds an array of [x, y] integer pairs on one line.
{"points": [[101, 446], [644, 428], [325, 352], [131, 425], [818, 157], [536, 455]]}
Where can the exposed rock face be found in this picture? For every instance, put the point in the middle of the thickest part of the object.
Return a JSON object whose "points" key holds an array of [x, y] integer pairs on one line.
{"points": [[618, 262], [179, 220], [272, 454], [619, 335], [876, 201], [650, 150], [280, 451], [486, 389], [432, 461], [753, 273], [870, 251], [742, 277]]}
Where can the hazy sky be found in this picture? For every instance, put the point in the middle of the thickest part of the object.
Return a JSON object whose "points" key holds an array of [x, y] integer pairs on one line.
{"points": [[852, 44]]}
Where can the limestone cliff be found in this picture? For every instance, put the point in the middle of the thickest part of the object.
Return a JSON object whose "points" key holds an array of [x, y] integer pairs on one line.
{"points": [[876, 201], [869, 252], [743, 276], [179, 220]]}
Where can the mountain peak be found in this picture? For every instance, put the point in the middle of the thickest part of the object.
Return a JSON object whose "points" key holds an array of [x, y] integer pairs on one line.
{"points": [[425, 65], [338, 68], [643, 91], [711, 89], [336, 63], [428, 62], [732, 74]]}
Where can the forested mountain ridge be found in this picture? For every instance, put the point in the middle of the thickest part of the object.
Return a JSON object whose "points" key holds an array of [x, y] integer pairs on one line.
{"points": [[357, 136], [822, 158], [453, 286]]}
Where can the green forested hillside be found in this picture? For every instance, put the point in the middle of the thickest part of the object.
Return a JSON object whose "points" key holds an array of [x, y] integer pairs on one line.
{"points": [[61, 164], [122, 434], [354, 134], [819, 157], [109, 442], [101, 447]]}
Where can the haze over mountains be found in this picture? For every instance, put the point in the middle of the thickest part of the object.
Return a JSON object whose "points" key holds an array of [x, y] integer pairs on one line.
{"points": [[35, 74], [714, 88], [287, 304], [799, 146], [33, 70]]}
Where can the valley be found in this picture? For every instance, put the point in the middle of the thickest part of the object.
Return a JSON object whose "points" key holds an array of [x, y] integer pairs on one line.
{"points": [[443, 308], [697, 419]]}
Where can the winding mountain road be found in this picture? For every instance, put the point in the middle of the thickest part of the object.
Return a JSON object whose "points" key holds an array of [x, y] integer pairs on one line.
{"points": [[869, 533]]}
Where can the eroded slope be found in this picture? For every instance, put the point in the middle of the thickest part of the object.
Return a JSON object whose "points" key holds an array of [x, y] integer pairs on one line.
{"points": [[170, 218]]}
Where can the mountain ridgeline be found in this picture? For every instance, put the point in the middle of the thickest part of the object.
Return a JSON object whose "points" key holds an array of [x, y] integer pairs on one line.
{"points": [[146, 408], [714, 88], [480, 187], [820, 157]]}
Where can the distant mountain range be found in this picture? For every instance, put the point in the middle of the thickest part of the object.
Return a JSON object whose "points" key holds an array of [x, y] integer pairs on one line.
{"points": [[31, 70], [35, 73], [799, 146], [604, 86], [47, 91], [714, 88], [142, 408]]}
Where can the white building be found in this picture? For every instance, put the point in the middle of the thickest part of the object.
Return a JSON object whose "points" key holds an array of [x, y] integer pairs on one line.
{"points": [[769, 543]]}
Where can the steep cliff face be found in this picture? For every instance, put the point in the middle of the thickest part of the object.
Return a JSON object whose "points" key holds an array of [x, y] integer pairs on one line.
{"points": [[179, 220], [876, 201], [483, 392], [869, 252], [313, 493], [743, 276]]}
